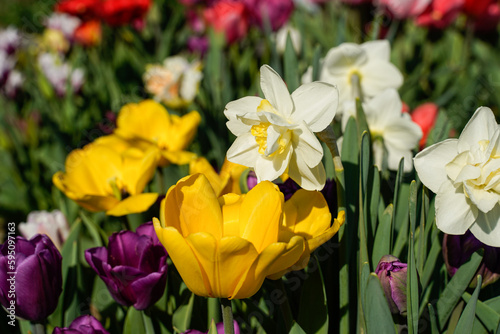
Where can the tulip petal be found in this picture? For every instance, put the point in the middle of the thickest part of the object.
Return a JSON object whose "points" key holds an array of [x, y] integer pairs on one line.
{"points": [[275, 91], [430, 163], [260, 215], [184, 259], [191, 206], [133, 204], [486, 229], [454, 214], [182, 131], [316, 104], [149, 289], [275, 258], [177, 157], [481, 126]]}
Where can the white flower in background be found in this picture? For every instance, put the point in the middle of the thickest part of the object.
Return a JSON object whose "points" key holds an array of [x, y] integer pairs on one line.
{"points": [[64, 23], [58, 73], [175, 83], [275, 135], [465, 175], [14, 82], [281, 37], [393, 133], [53, 224], [370, 61], [10, 40], [7, 64]]}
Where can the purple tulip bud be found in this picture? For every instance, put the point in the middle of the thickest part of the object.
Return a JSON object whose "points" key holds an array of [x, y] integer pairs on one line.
{"points": [[251, 180], [133, 267], [30, 277], [392, 275], [85, 324], [220, 329], [457, 249]]}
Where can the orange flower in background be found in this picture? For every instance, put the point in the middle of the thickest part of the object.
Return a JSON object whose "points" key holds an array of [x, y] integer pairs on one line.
{"points": [[88, 33], [101, 179], [148, 124]]}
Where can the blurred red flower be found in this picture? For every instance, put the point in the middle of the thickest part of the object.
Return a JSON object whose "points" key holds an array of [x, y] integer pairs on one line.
{"points": [[425, 116], [120, 12], [229, 17]]}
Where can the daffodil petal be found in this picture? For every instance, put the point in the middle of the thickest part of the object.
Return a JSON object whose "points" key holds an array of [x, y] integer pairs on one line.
{"points": [[315, 104], [454, 215], [378, 49], [306, 177], [244, 150], [242, 106], [307, 146], [485, 229], [430, 163], [275, 91], [378, 75], [480, 127]]}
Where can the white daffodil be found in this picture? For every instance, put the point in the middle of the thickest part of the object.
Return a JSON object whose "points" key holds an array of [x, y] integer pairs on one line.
{"points": [[392, 131], [276, 134], [370, 61], [465, 175]]}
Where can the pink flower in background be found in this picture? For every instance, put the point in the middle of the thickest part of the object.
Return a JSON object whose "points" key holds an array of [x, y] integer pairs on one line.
{"points": [[53, 224], [402, 9], [277, 12], [229, 17], [425, 116], [440, 13], [65, 23]]}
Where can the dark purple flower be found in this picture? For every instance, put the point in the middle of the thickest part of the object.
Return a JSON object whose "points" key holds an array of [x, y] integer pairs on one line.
{"points": [[30, 277], [198, 44], [220, 329], [457, 249], [133, 267], [85, 324], [392, 275], [289, 187]]}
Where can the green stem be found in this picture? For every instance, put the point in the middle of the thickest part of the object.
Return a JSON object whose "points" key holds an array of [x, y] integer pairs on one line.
{"points": [[37, 328], [227, 316], [148, 323], [286, 311]]}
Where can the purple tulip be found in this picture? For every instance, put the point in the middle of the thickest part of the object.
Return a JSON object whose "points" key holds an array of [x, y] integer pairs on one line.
{"points": [[392, 275], [276, 12], [30, 277], [220, 329], [85, 324], [133, 267], [457, 249]]}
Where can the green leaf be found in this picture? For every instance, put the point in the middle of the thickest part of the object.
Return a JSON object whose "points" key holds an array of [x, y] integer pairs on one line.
{"points": [[377, 314], [412, 279], [466, 322], [361, 120], [363, 216], [291, 66], [313, 311], [488, 316], [432, 317], [382, 242], [133, 322], [456, 287], [181, 319], [296, 329], [213, 327]]}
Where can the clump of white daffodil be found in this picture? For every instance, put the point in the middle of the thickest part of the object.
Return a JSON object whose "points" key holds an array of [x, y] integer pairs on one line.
{"points": [[393, 132], [465, 175], [275, 135], [353, 67]]}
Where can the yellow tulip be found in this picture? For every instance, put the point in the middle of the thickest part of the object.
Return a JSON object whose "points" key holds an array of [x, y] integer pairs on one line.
{"points": [[227, 181], [306, 214], [100, 179], [148, 124], [225, 247]]}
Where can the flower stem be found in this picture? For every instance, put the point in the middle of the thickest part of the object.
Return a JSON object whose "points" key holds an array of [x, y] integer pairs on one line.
{"points": [[148, 323], [227, 316], [37, 328]]}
